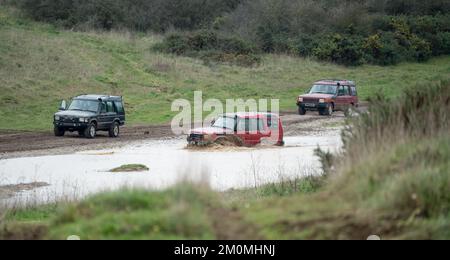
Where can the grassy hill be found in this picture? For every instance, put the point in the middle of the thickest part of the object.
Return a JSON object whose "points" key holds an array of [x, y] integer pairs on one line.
{"points": [[40, 65]]}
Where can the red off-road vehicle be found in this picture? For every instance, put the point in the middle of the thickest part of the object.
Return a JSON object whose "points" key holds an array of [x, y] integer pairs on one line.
{"points": [[242, 129], [327, 96]]}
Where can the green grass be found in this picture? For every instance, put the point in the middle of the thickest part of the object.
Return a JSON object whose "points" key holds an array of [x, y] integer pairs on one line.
{"points": [[41, 65]]}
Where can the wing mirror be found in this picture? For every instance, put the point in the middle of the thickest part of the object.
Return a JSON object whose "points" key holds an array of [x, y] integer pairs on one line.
{"points": [[63, 106]]}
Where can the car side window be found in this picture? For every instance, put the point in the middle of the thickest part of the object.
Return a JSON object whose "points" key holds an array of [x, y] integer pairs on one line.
{"points": [[346, 91], [110, 107], [103, 110], [341, 91], [272, 122], [241, 125], [119, 107], [354, 92]]}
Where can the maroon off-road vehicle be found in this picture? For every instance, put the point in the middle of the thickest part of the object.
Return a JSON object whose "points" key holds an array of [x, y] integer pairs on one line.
{"points": [[242, 129], [327, 96]]}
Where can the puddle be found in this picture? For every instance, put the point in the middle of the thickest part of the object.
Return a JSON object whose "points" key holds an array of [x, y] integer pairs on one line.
{"points": [[78, 175]]}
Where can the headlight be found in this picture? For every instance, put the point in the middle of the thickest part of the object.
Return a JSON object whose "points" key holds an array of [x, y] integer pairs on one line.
{"points": [[322, 100], [57, 118], [83, 120], [207, 138], [300, 99]]}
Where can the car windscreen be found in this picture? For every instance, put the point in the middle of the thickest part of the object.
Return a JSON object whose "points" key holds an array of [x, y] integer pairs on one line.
{"points": [[323, 89], [225, 122], [84, 105]]}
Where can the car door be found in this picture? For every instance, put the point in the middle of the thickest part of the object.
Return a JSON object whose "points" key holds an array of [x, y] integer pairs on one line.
{"points": [[107, 115], [103, 116], [111, 113], [273, 125], [248, 131], [242, 129], [120, 111], [262, 130], [348, 98], [344, 98], [340, 99]]}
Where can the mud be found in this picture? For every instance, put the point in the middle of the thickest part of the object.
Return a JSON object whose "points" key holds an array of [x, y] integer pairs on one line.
{"points": [[15, 144]]}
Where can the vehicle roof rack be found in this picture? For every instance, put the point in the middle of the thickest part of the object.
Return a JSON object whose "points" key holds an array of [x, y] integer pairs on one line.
{"points": [[337, 80]]}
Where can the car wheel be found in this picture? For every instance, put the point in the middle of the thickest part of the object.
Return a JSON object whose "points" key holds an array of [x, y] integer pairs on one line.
{"points": [[59, 131], [114, 130], [301, 111], [90, 131]]}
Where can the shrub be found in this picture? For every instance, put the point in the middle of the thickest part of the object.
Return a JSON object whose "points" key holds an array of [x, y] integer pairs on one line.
{"points": [[211, 47], [303, 45], [203, 40], [346, 50], [443, 43], [421, 49], [383, 49], [174, 43]]}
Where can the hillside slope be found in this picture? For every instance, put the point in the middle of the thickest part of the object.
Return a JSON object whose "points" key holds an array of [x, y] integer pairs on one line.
{"points": [[40, 65]]}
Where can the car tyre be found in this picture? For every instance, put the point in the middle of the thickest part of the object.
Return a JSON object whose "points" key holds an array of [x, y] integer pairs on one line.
{"points": [[327, 111], [301, 111], [59, 131], [90, 132], [114, 130]]}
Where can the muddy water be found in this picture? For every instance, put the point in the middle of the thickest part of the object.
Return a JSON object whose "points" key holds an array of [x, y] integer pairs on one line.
{"points": [[77, 175]]}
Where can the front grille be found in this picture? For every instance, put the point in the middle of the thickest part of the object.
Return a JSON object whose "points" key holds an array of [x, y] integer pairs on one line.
{"points": [[196, 136], [67, 119], [310, 100]]}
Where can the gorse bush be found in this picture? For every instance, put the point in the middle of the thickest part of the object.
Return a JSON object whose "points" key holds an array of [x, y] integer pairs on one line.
{"points": [[340, 49]]}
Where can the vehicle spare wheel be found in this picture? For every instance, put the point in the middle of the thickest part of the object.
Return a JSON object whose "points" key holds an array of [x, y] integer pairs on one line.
{"points": [[229, 141]]}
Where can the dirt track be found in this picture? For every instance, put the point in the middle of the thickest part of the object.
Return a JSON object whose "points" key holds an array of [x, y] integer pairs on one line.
{"points": [[22, 144]]}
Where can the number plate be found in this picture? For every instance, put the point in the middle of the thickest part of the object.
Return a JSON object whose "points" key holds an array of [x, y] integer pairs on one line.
{"points": [[310, 105]]}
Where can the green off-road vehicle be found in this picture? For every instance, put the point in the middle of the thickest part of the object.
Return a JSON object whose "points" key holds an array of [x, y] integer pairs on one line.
{"points": [[88, 114]]}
